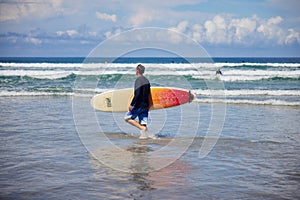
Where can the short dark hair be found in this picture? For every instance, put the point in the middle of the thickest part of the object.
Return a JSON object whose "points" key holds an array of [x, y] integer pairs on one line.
{"points": [[140, 68]]}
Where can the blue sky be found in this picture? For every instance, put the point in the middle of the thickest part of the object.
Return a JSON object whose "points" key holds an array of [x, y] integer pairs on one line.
{"points": [[234, 28]]}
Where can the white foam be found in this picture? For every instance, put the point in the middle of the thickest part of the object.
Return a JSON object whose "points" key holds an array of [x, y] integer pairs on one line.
{"points": [[258, 64], [51, 71], [36, 73], [204, 74], [247, 92], [148, 65], [249, 77], [261, 73], [41, 65], [253, 102], [90, 90], [88, 93], [38, 94], [27, 93]]}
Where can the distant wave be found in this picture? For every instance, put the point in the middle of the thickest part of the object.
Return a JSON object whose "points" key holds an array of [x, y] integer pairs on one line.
{"points": [[86, 92], [29, 93], [90, 92], [229, 76], [257, 83], [241, 78], [41, 65], [272, 102], [247, 92], [251, 65], [150, 65], [209, 93], [36, 74], [41, 93]]}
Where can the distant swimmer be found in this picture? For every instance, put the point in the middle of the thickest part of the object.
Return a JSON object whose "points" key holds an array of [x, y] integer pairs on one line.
{"points": [[219, 72]]}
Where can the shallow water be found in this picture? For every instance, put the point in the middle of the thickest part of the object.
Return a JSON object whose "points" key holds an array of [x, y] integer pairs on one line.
{"points": [[42, 156]]}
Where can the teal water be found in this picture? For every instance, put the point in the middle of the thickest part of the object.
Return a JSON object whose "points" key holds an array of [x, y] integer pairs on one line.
{"points": [[258, 81]]}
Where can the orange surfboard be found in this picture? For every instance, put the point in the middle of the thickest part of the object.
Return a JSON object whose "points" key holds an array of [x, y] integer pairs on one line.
{"points": [[160, 98]]}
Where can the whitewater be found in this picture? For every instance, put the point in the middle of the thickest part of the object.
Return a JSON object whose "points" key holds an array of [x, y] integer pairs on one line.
{"points": [[257, 81]]}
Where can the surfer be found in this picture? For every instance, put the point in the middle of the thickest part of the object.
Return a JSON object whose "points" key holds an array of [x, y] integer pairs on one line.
{"points": [[139, 106], [219, 72]]}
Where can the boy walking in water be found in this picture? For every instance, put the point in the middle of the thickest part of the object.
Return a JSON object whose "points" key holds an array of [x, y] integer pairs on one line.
{"points": [[139, 106]]}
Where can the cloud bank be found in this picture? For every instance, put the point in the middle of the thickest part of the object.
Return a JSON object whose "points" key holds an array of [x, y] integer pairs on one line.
{"points": [[225, 30], [19, 9]]}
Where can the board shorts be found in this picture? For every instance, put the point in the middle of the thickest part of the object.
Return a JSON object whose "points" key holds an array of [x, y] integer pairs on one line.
{"points": [[141, 113]]}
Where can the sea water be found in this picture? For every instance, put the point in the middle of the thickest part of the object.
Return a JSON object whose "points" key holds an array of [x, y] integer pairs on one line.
{"points": [[45, 154]]}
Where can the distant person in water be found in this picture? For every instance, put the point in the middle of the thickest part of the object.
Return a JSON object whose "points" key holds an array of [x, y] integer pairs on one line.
{"points": [[139, 106], [219, 72]]}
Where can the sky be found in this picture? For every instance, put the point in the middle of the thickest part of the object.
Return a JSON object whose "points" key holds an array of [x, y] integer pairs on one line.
{"points": [[224, 28]]}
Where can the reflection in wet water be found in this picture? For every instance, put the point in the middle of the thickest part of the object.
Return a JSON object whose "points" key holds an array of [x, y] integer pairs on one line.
{"points": [[143, 180]]}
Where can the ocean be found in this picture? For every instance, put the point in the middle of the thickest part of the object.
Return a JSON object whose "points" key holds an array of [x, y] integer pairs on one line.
{"points": [[239, 139], [260, 81]]}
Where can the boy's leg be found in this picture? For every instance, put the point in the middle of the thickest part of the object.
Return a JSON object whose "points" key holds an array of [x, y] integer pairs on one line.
{"points": [[142, 114], [136, 124]]}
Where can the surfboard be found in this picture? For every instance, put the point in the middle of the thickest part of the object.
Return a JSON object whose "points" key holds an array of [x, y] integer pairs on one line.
{"points": [[160, 98]]}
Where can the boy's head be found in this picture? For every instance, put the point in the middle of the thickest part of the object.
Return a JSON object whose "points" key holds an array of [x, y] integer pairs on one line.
{"points": [[141, 69]]}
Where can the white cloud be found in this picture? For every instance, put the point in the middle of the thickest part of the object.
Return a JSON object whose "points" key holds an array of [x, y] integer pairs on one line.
{"points": [[243, 28], [173, 35], [274, 20], [182, 26], [8, 13], [85, 42], [18, 9], [108, 34], [69, 33], [247, 31], [197, 32], [216, 30], [271, 31], [115, 32], [141, 17], [104, 16], [60, 33], [33, 40], [293, 36]]}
